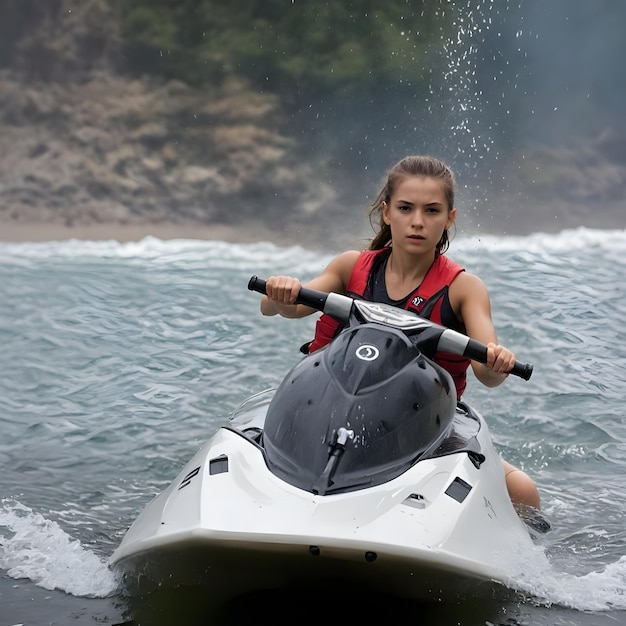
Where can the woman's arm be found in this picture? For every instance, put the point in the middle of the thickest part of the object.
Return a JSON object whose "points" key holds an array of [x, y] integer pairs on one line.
{"points": [[473, 306], [282, 291]]}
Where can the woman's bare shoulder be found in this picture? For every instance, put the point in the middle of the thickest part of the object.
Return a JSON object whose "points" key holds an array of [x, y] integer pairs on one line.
{"points": [[467, 282], [337, 273], [467, 290]]}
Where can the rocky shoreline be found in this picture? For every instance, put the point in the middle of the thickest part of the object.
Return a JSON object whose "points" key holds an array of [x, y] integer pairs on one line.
{"points": [[115, 154], [115, 157], [20, 232]]}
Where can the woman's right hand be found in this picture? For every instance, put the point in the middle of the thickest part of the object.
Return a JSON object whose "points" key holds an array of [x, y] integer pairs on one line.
{"points": [[280, 298], [282, 289]]}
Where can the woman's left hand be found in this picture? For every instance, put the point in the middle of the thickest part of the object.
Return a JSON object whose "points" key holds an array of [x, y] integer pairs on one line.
{"points": [[500, 359]]}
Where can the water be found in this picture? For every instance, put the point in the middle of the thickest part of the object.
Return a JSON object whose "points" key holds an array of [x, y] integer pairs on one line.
{"points": [[119, 360]]}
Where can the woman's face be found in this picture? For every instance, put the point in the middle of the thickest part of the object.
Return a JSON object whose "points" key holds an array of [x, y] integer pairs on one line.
{"points": [[418, 213]]}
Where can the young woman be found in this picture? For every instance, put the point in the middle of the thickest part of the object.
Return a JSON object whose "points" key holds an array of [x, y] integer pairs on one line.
{"points": [[405, 266]]}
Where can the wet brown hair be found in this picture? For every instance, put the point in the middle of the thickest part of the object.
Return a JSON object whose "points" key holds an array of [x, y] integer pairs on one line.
{"points": [[425, 166]]}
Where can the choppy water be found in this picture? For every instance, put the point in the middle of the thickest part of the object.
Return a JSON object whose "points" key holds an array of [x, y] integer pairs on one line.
{"points": [[119, 360]]}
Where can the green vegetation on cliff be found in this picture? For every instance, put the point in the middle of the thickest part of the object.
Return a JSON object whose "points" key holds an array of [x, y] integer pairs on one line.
{"points": [[285, 47]]}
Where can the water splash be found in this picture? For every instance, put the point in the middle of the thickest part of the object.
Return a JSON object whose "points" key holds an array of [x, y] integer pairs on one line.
{"points": [[36, 548], [459, 79], [595, 591], [459, 93]]}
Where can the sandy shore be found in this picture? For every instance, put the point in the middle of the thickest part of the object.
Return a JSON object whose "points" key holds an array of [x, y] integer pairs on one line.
{"points": [[13, 231], [22, 232]]}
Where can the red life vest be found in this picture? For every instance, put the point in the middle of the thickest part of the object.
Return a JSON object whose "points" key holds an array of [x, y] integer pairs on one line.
{"points": [[434, 286]]}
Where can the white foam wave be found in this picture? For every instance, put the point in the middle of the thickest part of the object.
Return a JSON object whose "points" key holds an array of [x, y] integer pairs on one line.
{"points": [[151, 248], [179, 253], [147, 248], [595, 591], [36, 548], [567, 240]]}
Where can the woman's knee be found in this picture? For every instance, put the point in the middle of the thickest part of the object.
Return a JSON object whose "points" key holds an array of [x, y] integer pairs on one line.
{"points": [[521, 487]]}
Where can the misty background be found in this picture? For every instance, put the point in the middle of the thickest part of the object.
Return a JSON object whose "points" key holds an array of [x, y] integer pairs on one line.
{"points": [[286, 114]]}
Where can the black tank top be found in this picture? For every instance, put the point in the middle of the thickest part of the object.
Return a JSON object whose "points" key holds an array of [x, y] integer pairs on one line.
{"points": [[377, 292]]}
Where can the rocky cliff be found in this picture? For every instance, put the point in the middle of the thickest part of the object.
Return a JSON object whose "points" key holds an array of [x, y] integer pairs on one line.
{"points": [[116, 150], [84, 143]]}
